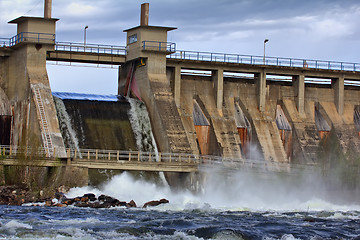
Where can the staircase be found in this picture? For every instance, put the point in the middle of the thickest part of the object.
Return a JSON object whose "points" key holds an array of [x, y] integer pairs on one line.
{"points": [[45, 133]]}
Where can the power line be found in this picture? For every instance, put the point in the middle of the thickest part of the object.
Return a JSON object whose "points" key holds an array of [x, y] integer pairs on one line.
{"points": [[34, 7]]}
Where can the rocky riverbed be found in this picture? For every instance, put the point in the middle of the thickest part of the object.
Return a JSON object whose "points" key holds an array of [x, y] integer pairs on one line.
{"points": [[15, 195]]}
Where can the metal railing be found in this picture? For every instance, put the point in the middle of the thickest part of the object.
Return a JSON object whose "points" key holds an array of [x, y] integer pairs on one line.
{"points": [[180, 54], [4, 42], [159, 46], [90, 48], [32, 37], [259, 60], [119, 156]]}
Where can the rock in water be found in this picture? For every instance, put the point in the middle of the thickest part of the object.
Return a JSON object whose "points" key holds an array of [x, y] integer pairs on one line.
{"points": [[131, 204], [155, 203]]}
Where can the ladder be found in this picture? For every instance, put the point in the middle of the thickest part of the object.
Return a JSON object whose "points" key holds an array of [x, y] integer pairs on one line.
{"points": [[45, 133]]}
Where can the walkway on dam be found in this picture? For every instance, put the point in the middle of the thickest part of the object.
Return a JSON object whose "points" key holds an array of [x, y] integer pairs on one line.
{"points": [[116, 55], [139, 161]]}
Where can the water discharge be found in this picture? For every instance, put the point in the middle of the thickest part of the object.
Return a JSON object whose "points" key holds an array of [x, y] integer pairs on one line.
{"points": [[140, 123], [239, 192]]}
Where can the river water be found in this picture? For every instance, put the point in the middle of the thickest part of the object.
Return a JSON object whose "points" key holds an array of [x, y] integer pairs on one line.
{"points": [[248, 208]]}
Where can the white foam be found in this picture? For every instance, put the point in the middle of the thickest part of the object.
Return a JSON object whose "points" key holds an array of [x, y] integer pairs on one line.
{"points": [[244, 194], [13, 225]]}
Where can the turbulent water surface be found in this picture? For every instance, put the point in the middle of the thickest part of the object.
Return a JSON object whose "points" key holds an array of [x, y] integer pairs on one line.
{"points": [[218, 213]]}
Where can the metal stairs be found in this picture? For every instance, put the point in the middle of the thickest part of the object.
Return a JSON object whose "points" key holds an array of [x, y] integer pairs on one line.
{"points": [[44, 125]]}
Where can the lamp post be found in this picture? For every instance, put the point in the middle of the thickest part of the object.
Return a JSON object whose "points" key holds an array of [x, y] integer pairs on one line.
{"points": [[265, 41], [86, 27]]}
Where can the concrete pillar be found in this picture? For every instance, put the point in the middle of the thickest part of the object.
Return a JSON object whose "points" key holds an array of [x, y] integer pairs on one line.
{"points": [[218, 78], [177, 85], [260, 81], [47, 8], [299, 89], [144, 16], [338, 86], [119, 81]]}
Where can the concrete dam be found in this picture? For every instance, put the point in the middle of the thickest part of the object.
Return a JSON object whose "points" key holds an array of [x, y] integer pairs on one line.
{"points": [[226, 105]]}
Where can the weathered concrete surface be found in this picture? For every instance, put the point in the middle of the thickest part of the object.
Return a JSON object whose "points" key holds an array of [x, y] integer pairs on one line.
{"points": [[266, 135], [343, 126], [25, 82], [222, 121]]}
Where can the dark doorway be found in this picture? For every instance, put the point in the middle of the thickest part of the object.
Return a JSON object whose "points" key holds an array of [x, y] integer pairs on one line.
{"points": [[5, 129]]}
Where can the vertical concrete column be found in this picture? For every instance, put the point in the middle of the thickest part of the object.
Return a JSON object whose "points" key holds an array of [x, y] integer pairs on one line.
{"points": [[338, 86], [119, 80], [47, 8], [177, 85], [299, 89], [260, 81], [218, 78]]}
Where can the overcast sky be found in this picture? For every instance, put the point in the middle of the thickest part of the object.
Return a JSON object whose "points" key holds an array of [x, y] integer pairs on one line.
{"points": [[306, 29]]}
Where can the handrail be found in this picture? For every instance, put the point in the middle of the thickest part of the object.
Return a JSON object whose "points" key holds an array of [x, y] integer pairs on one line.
{"points": [[90, 48], [32, 37], [170, 47], [159, 46], [259, 60], [4, 42], [123, 156]]}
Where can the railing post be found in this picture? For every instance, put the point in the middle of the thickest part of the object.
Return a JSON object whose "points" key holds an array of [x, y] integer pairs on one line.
{"points": [[179, 157], [109, 156], [138, 156], [75, 153], [149, 157], [159, 156], [68, 160], [129, 156], [117, 155], [88, 153], [10, 150], [96, 154]]}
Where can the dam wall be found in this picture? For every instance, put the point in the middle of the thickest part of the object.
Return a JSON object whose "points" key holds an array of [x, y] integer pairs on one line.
{"points": [[267, 143]]}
